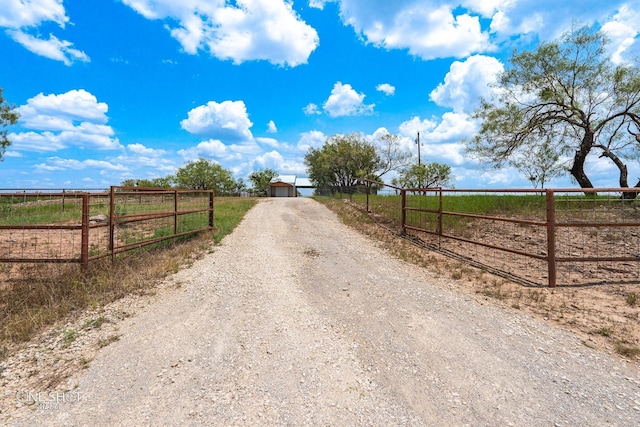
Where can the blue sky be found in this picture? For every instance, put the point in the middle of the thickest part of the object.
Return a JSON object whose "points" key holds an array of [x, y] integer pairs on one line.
{"points": [[115, 89]]}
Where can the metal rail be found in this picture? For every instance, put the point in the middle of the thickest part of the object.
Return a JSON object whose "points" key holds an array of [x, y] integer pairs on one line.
{"points": [[550, 224], [47, 197]]}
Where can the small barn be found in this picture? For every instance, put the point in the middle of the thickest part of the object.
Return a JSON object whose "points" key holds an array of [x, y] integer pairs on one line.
{"points": [[287, 186]]}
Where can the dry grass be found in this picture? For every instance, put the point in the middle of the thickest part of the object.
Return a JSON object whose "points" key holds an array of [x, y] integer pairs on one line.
{"points": [[48, 293], [603, 316]]}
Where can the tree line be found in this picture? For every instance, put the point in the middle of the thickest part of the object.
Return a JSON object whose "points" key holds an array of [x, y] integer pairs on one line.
{"points": [[203, 174], [344, 160], [341, 162]]}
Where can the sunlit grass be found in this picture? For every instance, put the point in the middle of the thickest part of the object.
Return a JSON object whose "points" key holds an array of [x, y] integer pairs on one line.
{"points": [[228, 212]]}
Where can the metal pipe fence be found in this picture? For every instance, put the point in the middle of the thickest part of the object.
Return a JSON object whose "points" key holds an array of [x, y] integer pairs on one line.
{"points": [[77, 226], [553, 236]]}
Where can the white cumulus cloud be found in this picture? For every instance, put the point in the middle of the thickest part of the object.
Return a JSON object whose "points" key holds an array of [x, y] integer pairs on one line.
{"points": [[345, 101], [31, 13], [318, 4], [21, 18], [271, 127], [276, 161], [410, 128], [442, 141], [427, 29], [53, 122], [244, 30], [457, 29], [311, 109], [226, 121], [145, 151], [311, 139], [466, 82], [623, 31], [74, 105], [386, 88]]}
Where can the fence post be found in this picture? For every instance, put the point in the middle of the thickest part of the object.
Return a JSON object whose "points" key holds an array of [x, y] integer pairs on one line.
{"points": [[440, 231], [112, 223], [84, 242], [403, 213], [551, 237], [175, 211], [368, 191], [211, 218]]}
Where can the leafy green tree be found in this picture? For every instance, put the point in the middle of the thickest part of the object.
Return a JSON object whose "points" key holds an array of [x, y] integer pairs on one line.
{"points": [[164, 182], [342, 161], [239, 186], [540, 165], [424, 176], [570, 93], [206, 175], [261, 180], [8, 116]]}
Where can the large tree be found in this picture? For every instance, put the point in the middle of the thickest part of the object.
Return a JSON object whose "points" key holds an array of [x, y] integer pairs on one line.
{"points": [[424, 176], [261, 180], [8, 116], [568, 92], [205, 174], [342, 161]]}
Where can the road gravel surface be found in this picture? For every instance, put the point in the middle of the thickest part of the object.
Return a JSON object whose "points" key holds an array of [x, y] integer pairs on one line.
{"points": [[295, 319]]}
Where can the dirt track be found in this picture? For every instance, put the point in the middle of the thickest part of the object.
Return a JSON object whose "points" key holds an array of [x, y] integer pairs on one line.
{"points": [[297, 320]]}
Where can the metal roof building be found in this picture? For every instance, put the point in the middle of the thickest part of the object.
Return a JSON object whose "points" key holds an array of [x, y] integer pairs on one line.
{"points": [[287, 186]]}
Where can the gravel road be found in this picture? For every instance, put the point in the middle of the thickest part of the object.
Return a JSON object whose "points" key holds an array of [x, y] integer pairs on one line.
{"points": [[297, 320]]}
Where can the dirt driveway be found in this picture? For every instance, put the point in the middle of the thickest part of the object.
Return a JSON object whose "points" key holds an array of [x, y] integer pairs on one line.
{"points": [[297, 320]]}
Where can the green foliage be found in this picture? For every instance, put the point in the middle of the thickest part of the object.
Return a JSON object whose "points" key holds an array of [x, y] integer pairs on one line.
{"points": [[342, 160], [164, 182], [569, 94], [206, 175], [424, 176], [540, 165], [261, 180], [8, 116]]}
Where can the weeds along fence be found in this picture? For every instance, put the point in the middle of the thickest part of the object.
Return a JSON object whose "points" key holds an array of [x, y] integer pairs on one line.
{"points": [[78, 226], [539, 237]]}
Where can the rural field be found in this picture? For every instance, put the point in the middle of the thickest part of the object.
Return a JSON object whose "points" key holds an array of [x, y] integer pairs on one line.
{"points": [[296, 318]]}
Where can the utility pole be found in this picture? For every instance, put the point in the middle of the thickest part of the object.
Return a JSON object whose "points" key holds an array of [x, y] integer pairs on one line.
{"points": [[418, 142]]}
